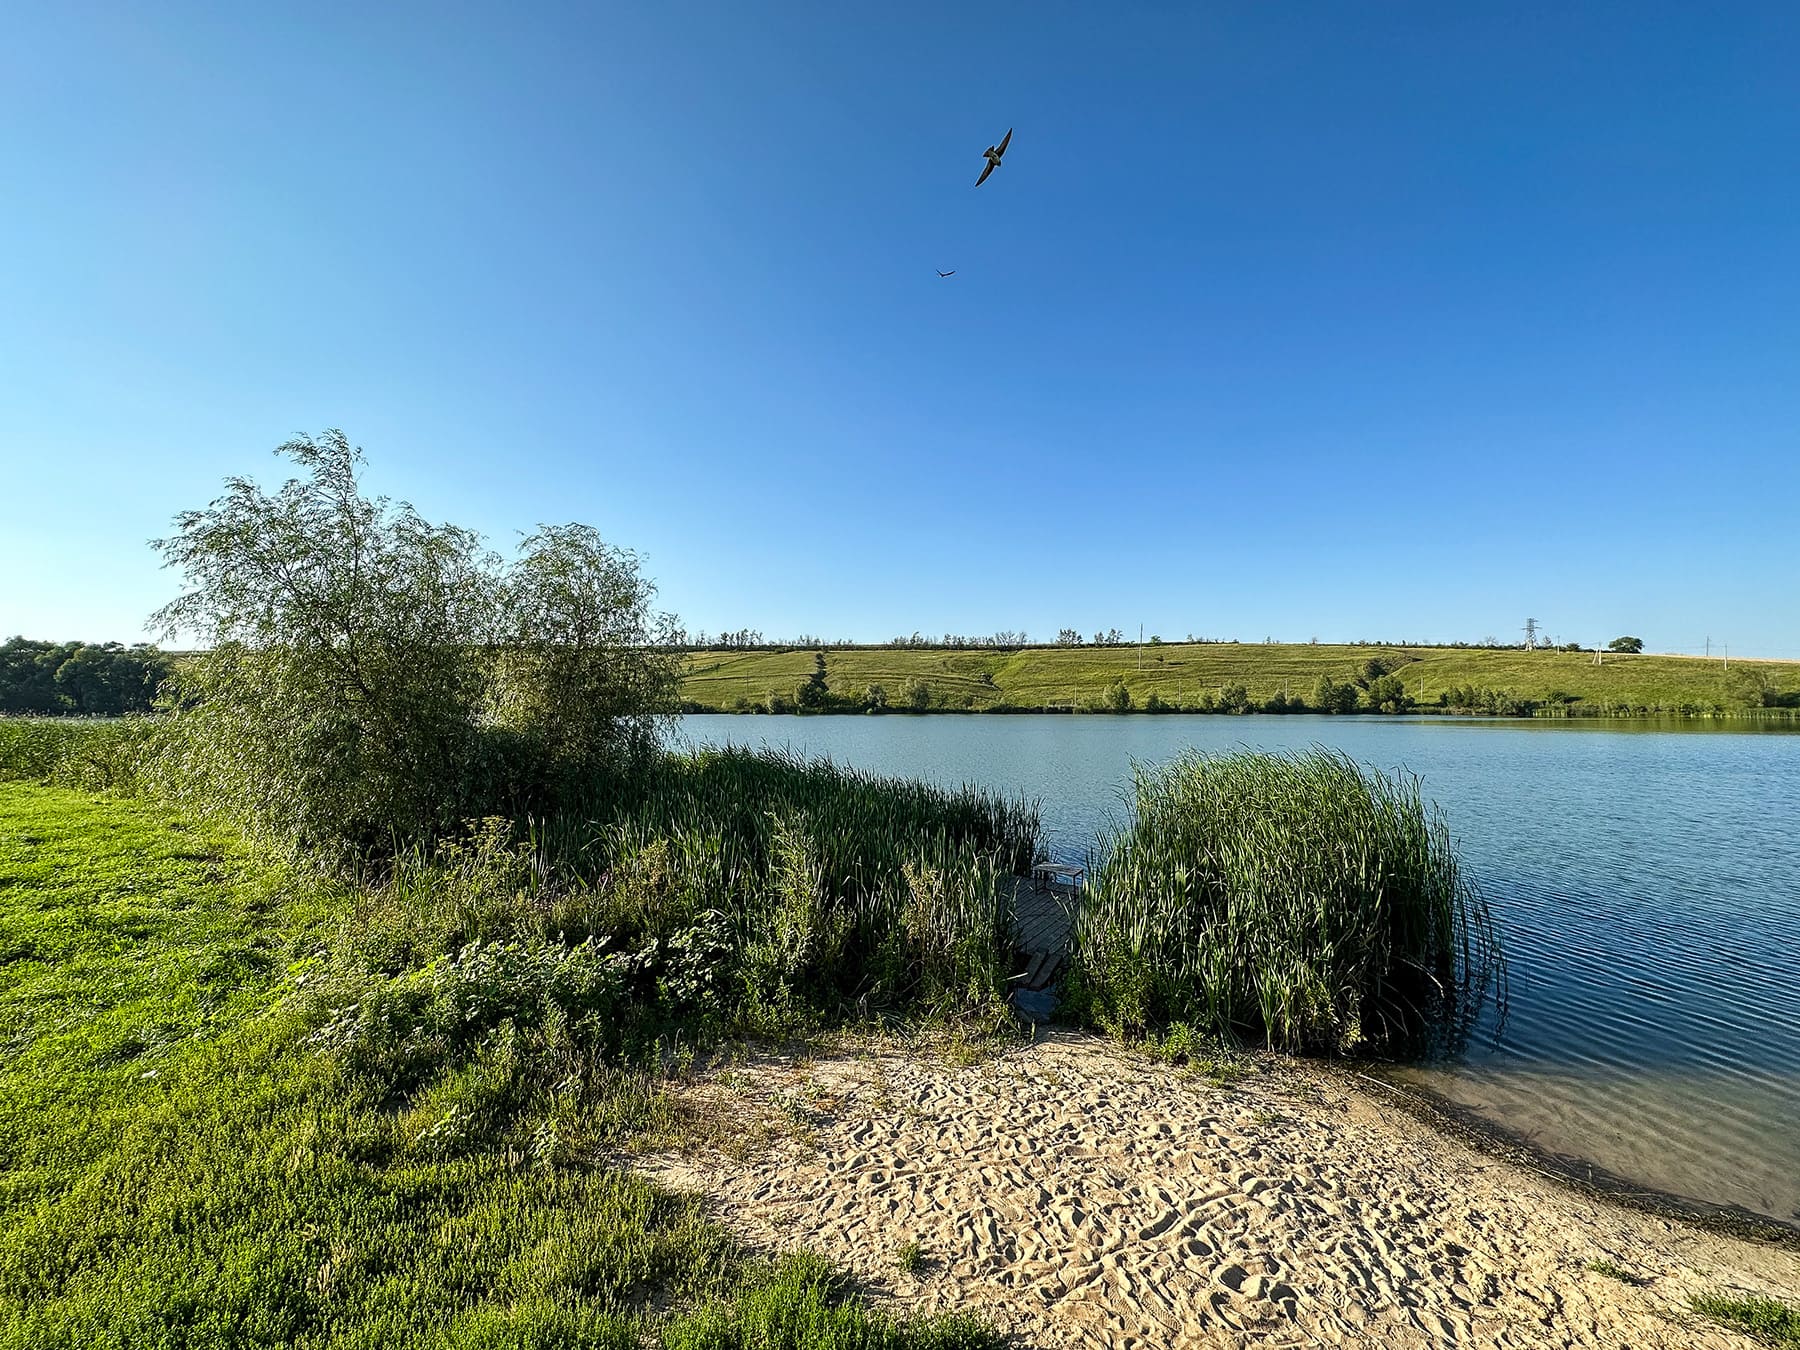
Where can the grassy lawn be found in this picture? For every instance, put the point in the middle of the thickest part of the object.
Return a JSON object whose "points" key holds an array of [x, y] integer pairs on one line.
{"points": [[180, 1166], [1180, 672]]}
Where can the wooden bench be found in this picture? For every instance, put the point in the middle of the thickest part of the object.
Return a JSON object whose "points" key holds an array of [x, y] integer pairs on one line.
{"points": [[1044, 875]]}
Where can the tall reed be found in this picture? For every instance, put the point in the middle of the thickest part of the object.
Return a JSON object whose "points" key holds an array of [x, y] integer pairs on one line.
{"points": [[792, 889], [1295, 898]]}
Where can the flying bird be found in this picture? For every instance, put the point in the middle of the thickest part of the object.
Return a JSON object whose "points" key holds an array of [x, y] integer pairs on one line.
{"points": [[992, 154], [950, 273]]}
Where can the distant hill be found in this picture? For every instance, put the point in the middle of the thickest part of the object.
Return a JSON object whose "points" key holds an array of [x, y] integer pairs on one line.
{"points": [[1201, 676]]}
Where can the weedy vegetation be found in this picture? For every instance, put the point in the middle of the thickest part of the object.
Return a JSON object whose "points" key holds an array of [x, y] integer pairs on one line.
{"points": [[1298, 900], [1614, 1271], [1769, 1320]]}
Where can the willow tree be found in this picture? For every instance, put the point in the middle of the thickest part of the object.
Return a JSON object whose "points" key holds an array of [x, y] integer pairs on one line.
{"points": [[371, 678]]}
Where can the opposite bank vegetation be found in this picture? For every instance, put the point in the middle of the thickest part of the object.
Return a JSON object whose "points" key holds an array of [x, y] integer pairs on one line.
{"points": [[1218, 677], [333, 992]]}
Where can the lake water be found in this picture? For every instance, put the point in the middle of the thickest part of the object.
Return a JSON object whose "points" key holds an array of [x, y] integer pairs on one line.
{"points": [[1646, 879]]}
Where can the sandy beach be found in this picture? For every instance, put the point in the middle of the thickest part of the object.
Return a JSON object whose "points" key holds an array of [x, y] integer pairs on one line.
{"points": [[1073, 1194]]}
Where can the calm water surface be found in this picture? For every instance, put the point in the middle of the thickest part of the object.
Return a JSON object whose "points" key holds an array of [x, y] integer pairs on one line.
{"points": [[1646, 880]]}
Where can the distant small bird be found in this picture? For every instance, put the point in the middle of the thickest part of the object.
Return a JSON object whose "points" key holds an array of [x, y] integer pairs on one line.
{"points": [[950, 273], [993, 153]]}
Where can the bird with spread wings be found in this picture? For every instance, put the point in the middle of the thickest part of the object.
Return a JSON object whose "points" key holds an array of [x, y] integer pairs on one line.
{"points": [[992, 154]]}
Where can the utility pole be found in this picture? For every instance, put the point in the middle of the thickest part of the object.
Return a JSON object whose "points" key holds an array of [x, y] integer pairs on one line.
{"points": [[1709, 646], [1728, 656], [1530, 634]]}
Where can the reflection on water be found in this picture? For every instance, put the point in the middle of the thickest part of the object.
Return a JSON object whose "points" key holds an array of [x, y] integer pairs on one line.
{"points": [[1646, 879]]}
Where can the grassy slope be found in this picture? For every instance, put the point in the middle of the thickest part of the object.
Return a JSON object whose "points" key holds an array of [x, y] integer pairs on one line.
{"points": [[179, 1169], [1180, 672]]}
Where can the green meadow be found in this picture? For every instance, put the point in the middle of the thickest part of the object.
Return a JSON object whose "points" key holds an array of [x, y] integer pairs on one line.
{"points": [[195, 1159], [1186, 675]]}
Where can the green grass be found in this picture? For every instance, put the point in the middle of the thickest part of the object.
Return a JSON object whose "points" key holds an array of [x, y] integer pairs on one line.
{"points": [[194, 1159], [1180, 673], [1770, 1321], [1613, 1271]]}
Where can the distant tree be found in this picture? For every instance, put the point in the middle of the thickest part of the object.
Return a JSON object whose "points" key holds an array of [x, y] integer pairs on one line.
{"points": [[1155, 641], [1331, 697], [1068, 637], [1235, 698], [96, 679], [1155, 703], [814, 694], [1118, 697], [917, 695], [1373, 669], [875, 698], [1388, 694], [1625, 644]]}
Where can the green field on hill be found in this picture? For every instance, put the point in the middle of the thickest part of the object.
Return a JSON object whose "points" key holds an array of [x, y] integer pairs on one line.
{"points": [[1191, 676]]}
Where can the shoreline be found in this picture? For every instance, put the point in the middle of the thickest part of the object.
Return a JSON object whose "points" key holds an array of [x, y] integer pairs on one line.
{"points": [[1076, 1194], [1769, 715], [1475, 1131]]}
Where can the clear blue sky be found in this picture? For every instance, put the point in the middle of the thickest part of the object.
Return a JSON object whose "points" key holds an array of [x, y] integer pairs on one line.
{"points": [[1409, 321]]}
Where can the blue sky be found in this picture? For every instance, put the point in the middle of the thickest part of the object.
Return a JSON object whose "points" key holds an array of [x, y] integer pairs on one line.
{"points": [[1405, 321]]}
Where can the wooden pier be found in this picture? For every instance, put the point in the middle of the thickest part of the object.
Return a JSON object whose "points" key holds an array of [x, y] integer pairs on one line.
{"points": [[1042, 921]]}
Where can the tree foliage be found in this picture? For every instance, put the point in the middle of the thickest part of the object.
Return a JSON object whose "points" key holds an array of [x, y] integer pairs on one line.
{"points": [[1388, 694], [93, 679], [1625, 644], [1329, 696], [374, 678], [814, 693]]}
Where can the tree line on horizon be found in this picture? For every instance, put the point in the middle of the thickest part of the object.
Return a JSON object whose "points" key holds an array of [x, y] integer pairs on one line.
{"points": [[94, 679], [754, 639]]}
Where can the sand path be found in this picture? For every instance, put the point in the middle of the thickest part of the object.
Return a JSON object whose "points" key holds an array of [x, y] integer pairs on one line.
{"points": [[1075, 1195]]}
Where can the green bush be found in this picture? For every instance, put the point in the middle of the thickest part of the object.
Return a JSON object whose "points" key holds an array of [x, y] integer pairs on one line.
{"points": [[372, 678], [1387, 694], [1331, 697], [1294, 898], [1234, 698]]}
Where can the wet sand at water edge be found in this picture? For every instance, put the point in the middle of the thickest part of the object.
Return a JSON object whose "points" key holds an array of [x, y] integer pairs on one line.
{"points": [[1073, 1194]]}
